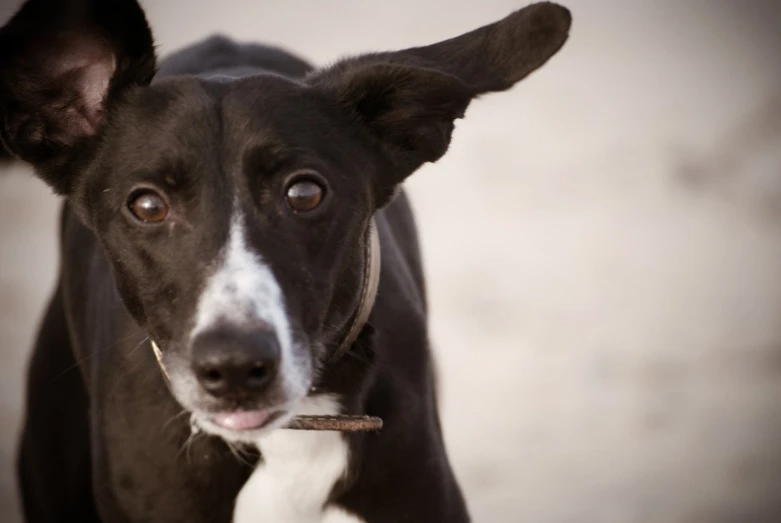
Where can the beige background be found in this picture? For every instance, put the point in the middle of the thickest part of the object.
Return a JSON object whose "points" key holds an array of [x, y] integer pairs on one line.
{"points": [[603, 246]]}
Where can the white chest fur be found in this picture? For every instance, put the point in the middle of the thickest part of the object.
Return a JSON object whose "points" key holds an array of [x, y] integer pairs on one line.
{"points": [[298, 472]]}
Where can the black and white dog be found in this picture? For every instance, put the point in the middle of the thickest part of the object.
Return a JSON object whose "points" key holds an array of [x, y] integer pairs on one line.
{"points": [[223, 223]]}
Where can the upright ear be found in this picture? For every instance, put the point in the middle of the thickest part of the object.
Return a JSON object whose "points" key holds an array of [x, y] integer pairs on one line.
{"points": [[62, 64], [410, 99]]}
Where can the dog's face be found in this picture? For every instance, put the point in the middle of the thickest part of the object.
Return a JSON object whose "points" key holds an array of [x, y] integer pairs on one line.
{"points": [[233, 211], [235, 231]]}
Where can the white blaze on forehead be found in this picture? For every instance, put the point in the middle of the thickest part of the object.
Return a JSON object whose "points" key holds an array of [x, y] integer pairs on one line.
{"points": [[243, 291]]}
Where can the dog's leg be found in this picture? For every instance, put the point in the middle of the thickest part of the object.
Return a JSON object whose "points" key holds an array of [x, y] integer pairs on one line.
{"points": [[54, 456]]}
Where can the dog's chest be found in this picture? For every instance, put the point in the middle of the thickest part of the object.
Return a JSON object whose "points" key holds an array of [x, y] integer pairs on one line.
{"points": [[293, 482]]}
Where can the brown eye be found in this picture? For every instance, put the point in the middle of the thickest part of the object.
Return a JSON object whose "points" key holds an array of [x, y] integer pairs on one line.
{"points": [[304, 195], [148, 206]]}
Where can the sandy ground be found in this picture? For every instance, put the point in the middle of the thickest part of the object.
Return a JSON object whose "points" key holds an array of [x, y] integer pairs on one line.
{"points": [[603, 246]]}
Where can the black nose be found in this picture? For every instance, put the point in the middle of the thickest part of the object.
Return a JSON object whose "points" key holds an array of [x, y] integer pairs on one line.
{"points": [[233, 364]]}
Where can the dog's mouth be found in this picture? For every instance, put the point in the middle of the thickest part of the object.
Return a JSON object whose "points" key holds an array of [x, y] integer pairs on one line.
{"points": [[246, 425], [240, 415], [245, 420]]}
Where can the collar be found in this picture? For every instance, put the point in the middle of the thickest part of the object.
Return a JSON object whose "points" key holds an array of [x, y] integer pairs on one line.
{"points": [[371, 281]]}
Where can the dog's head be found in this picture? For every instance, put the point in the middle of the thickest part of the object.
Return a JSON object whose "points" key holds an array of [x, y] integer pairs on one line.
{"points": [[233, 212]]}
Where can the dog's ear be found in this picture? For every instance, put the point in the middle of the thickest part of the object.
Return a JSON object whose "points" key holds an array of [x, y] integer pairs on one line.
{"points": [[62, 63], [410, 99], [410, 110]]}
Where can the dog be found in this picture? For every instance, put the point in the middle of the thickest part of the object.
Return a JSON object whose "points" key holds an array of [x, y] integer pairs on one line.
{"points": [[237, 259]]}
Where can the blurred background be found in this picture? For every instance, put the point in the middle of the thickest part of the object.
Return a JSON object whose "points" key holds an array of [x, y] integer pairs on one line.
{"points": [[603, 249]]}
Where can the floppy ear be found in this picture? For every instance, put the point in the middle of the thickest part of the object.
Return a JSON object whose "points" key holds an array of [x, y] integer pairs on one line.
{"points": [[62, 63], [410, 99]]}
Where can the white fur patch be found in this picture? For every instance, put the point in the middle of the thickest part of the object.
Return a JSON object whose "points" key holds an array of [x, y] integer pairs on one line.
{"points": [[244, 290], [337, 515], [298, 471]]}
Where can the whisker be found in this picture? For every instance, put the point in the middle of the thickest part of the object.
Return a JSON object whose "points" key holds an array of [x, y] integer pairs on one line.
{"points": [[92, 354], [123, 368], [186, 446], [173, 418], [237, 454], [189, 444]]}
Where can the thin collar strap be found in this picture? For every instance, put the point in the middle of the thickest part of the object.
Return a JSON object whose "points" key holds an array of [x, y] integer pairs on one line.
{"points": [[371, 281]]}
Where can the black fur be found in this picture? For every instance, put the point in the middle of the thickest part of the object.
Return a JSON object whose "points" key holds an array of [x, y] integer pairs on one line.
{"points": [[78, 102]]}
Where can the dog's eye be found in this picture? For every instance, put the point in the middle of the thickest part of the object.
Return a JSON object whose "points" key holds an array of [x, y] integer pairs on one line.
{"points": [[304, 195], [148, 206]]}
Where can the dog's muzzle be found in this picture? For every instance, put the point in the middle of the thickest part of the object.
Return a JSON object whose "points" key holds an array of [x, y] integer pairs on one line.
{"points": [[371, 280]]}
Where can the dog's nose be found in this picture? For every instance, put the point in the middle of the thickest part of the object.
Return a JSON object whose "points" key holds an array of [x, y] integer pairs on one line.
{"points": [[233, 365]]}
